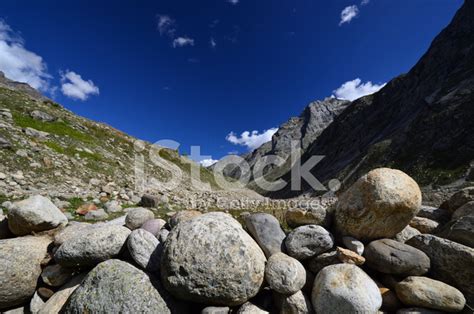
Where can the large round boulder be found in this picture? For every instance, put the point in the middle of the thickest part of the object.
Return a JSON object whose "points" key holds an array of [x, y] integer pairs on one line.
{"points": [[143, 247], [115, 286], [34, 214], [136, 217], [285, 274], [212, 248], [392, 257], [20, 260], [266, 230], [307, 241], [379, 205], [92, 246], [345, 288]]}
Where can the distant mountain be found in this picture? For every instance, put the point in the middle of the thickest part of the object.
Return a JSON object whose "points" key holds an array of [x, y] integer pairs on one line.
{"points": [[421, 122]]}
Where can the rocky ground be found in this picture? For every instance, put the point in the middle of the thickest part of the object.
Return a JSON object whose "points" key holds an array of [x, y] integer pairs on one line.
{"points": [[377, 249]]}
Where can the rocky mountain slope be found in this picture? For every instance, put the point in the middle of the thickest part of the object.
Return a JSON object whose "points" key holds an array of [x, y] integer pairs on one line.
{"points": [[421, 122], [46, 149]]}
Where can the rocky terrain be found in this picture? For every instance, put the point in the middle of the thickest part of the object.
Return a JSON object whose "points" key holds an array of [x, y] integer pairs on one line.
{"points": [[377, 250]]}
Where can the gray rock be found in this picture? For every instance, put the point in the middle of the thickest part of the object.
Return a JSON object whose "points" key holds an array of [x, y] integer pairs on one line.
{"points": [[460, 230], [35, 214], [21, 267], [115, 286], [250, 308], [56, 302], [345, 288], [183, 216], [71, 231], [353, 245], [391, 257], [215, 310], [429, 293], [154, 226], [98, 214], [307, 241], [465, 210], [296, 217], [150, 201], [56, 275], [92, 246], [297, 303], [406, 234], [417, 310], [163, 235], [285, 274], [143, 247], [379, 205], [212, 245], [4, 143], [42, 116], [424, 225], [451, 262], [136, 217], [113, 207], [266, 230], [36, 133], [316, 264], [458, 199], [434, 213], [36, 304]]}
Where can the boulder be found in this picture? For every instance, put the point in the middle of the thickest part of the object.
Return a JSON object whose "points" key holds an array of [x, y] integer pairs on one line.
{"points": [[266, 230], [98, 214], [4, 143], [353, 245], [345, 288], [163, 235], [115, 286], [154, 226], [296, 217], [34, 214], [316, 264], [465, 210], [391, 257], [424, 225], [212, 247], [458, 199], [136, 217], [406, 234], [42, 116], [143, 247], [307, 241], [297, 303], [56, 275], [20, 260], [285, 274], [216, 310], [250, 308], [429, 293], [183, 216], [379, 205], [92, 246], [113, 207], [149, 201], [460, 230], [36, 133], [451, 262], [57, 300], [71, 231]]}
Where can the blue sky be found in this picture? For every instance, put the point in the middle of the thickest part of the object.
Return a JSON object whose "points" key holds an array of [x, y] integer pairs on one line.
{"points": [[195, 71]]}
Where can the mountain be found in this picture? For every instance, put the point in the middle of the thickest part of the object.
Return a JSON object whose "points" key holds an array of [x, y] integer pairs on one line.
{"points": [[421, 122], [47, 149]]}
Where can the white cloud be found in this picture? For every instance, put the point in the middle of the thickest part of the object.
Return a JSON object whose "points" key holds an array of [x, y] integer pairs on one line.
{"points": [[352, 90], [208, 162], [253, 139], [20, 64], [213, 43], [166, 25], [75, 87], [233, 2], [364, 2], [183, 41], [348, 14]]}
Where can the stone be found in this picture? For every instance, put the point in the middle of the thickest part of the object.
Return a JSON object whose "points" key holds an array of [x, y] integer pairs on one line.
{"points": [[115, 286], [317, 263], [391, 257], [424, 225], [250, 308], [143, 247], [390, 302], [451, 262], [92, 246], [349, 257], [2, 176], [460, 230], [406, 234], [430, 293], [296, 217], [212, 245], [417, 310], [434, 213], [183, 216], [285, 274], [56, 275], [307, 241], [297, 303], [34, 214], [45, 292], [4, 143], [136, 217], [266, 230], [345, 288], [216, 310], [458, 199], [98, 214], [154, 226], [42, 116], [378, 205], [71, 231], [465, 210], [21, 267], [163, 235], [56, 302], [149, 201], [36, 133], [36, 304], [113, 207], [86, 208], [353, 245]]}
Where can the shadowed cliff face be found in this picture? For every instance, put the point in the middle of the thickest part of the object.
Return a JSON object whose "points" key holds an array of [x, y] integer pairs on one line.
{"points": [[421, 122]]}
